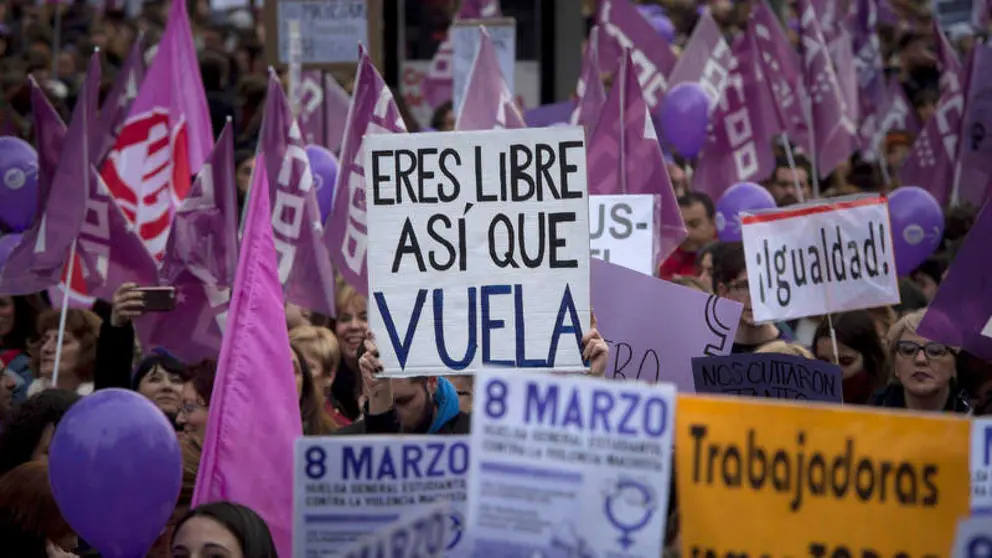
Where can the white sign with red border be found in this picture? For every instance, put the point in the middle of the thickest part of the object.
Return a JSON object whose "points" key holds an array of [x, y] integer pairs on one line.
{"points": [[819, 258]]}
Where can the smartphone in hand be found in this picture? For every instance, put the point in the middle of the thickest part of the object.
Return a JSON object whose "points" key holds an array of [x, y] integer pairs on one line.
{"points": [[158, 299]]}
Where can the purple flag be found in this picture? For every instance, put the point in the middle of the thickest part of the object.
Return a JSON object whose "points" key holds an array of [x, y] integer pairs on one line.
{"points": [[439, 81], [842, 55], [488, 103], [549, 115], [336, 105], [961, 313], [651, 54], [705, 60], [304, 265], [200, 262], [373, 111], [896, 114], [834, 137], [634, 314], [589, 90], [873, 94], [738, 146], [312, 118], [624, 157], [204, 237], [980, 10], [110, 251], [976, 126], [117, 104], [38, 262], [952, 73], [49, 135], [780, 65]]}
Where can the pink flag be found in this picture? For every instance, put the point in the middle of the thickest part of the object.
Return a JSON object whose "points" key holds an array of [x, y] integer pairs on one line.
{"points": [[738, 148], [651, 54], [705, 60], [336, 104], [590, 90], [834, 137], [438, 84], [304, 264], [323, 109], [373, 111], [166, 138], [38, 262], [488, 103], [200, 260], [624, 157], [117, 105], [254, 410], [781, 67]]}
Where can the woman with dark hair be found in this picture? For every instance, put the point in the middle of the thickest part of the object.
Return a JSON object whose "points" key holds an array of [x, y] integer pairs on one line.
{"points": [[223, 529], [28, 433], [195, 406], [443, 119], [860, 351], [316, 420], [31, 525], [160, 377], [18, 315]]}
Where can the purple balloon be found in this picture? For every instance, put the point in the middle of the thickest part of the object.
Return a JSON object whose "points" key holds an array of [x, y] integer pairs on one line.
{"points": [[917, 226], [18, 183], [324, 166], [685, 117], [7, 245], [743, 196], [116, 469], [663, 26]]}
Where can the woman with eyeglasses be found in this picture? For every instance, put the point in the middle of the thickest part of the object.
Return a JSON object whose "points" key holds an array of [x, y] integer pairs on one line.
{"points": [[924, 373], [195, 405]]}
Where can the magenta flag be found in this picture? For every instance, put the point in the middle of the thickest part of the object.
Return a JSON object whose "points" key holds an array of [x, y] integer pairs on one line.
{"points": [[780, 65], [634, 314], [438, 85], [204, 237], [337, 101], [743, 127], [706, 59], [200, 262], [38, 262], [590, 91], [312, 117], [373, 111], [117, 105], [975, 171], [651, 54], [488, 103], [254, 410], [624, 157], [952, 73], [842, 55], [166, 138], [960, 314], [834, 136], [896, 114], [304, 264]]}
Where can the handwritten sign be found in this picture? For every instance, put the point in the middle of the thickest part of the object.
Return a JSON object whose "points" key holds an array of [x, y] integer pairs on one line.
{"points": [[465, 44], [421, 534], [634, 313], [621, 230], [478, 250], [817, 480], [981, 465], [569, 466], [771, 375], [345, 488], [330, 31], [819, 258]]}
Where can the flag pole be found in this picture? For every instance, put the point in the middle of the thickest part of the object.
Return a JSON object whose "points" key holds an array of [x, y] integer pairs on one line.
{"points": [[295, 71], [792, 165], [70, 269]]}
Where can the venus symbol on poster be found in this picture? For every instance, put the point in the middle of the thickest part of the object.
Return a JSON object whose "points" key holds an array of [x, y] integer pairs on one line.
{"points": [[819, 258], [478, 251]]}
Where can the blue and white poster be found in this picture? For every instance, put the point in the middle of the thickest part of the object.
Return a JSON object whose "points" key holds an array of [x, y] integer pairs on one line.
{"points": [[348, 487], [421, 534], [569, 466]]}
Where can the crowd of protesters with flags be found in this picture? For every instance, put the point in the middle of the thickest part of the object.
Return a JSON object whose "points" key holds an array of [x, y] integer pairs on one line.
{"points": [[171, 229]]}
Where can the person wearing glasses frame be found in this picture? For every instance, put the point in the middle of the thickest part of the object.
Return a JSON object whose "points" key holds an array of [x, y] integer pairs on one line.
{"points": [[924, 373]]}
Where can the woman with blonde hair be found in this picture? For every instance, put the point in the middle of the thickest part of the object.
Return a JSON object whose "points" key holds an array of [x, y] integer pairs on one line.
{"points": [[350, 328], [76, 365], [924, 372], [322, 355]]}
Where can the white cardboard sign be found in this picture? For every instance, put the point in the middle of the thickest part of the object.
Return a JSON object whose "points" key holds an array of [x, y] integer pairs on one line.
{"points": [[621, 230], [478, 250], [465, 43], [820, 258]]}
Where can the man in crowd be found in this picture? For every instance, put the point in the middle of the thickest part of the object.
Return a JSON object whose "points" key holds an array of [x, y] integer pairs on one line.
{"points": [[730, 281], [782, 184], [698, 215]]}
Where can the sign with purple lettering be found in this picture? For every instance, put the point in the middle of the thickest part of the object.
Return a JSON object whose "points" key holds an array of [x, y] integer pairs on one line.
{"points": [[566, 465], [655, 328], [769, 375], [819, 258], [478, 250], [422, 534], [348, 488]]}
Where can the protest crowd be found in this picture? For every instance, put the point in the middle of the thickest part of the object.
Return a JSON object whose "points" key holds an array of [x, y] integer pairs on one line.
{"points": [[253, 307]]}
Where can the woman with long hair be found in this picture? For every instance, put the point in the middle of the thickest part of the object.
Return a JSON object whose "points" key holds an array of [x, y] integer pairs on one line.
{"points": [[18, 316], [223, 529], [316, 421], [78, 360], [860, 353]]}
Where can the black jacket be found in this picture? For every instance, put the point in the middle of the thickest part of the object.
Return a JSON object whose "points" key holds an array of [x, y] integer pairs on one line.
{"points": [[114, 357], [389, 423], [894, 397]]}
